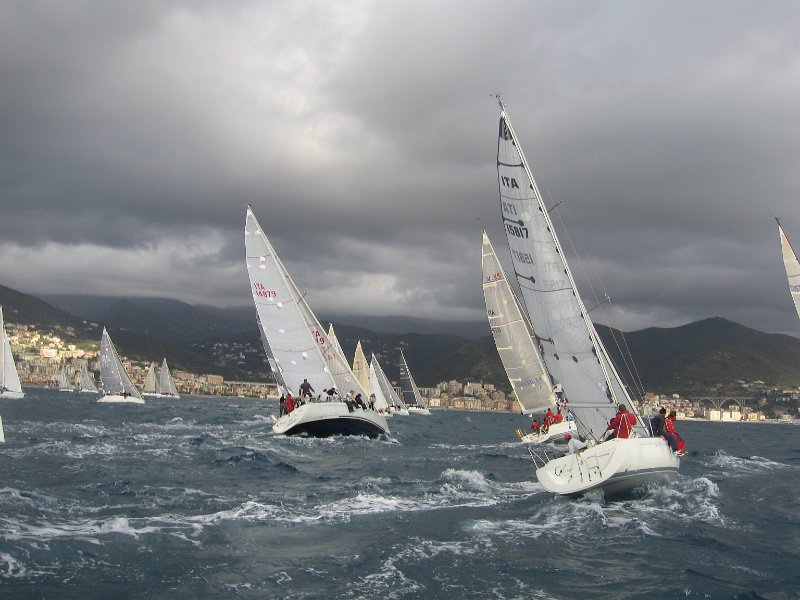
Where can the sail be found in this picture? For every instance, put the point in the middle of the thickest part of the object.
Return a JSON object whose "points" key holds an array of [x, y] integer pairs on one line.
{"points": [[570, 347], [151, 381], [516, 343], [792, 268], [295, 340], [9, 378], [361, 368], [165, 382], [63, 379], [334, 340], [112, 374], [381, 386], [2, 433], [411, 395], [87, 381]]}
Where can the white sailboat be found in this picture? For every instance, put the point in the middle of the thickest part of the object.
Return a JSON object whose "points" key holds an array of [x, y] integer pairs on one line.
{"points": [[298, 348], [9, 378], [571, 349], [519, 350], [87, 380], [2, 432], [411, 396], [792, 267], [361, 368], [64, 384], [166, 384], [386, 397], [117, 386], [151, 385]]}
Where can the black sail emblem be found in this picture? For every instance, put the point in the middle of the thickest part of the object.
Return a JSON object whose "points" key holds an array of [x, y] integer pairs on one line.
{"points": [[504, 132]]}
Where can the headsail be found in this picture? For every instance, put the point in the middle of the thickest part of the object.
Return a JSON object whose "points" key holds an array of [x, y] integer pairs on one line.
{"points": [[151, 381], [383, 390], [166, 384], [571, 349], [361, 368], [9, 378], [112, 374], [409, 389], [792, 268], [516, 342], [293, 337]]}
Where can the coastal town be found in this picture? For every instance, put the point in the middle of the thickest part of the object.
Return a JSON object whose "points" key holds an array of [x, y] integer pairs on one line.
{"points": [[40, 356]]}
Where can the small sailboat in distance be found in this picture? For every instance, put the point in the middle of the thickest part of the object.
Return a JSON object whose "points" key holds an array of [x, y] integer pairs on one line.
{"points": [[411, 396], [88, 385], [10, 386], [166, 384], [117, 386], [151, 385], [792, 267], [64, 384]]}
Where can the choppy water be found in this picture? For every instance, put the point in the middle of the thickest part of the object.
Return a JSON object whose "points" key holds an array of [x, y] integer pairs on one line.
{"points": [[198, 498]]}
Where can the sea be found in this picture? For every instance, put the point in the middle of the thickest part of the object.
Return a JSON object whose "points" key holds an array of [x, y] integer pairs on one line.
{"points": [[198, 498]]}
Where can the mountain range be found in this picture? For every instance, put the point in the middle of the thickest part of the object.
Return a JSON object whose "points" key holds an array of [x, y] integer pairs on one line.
{"points": [[207, 339]]}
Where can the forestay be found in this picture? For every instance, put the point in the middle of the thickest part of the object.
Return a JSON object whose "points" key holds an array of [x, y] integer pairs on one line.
{"points": [[570, 347], [515, 341], [792, 268]]}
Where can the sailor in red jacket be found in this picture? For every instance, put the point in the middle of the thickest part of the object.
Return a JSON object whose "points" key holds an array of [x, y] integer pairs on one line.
{"points": [[622, 423], [535, 427]]}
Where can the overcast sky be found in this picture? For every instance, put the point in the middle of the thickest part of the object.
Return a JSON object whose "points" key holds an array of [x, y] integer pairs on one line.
{"points": [[133, 134]]}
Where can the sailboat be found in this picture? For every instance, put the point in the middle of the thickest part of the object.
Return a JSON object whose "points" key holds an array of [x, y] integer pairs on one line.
{"points": [[411, 396], [151, 385], [166, 384], [386, 397], [117, 386], [518, 349], [2, 433], [63, 380], [298, 348], [9, 378], [792, 268], [87, 380], [570, 348], [361, 368]]}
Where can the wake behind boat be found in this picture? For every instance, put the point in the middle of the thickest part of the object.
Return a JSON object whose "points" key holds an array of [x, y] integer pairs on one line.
{"points": [[117, 386], [298, 349], [569, 347]]}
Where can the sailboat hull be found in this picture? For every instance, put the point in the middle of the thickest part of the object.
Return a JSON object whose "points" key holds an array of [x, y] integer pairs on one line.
{"points": [[555, 434], [116, 399], [418, 410], [12, 395], [324, 419], [616, 466]]}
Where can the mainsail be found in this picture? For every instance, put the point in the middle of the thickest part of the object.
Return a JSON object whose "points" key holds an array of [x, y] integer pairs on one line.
{"points": [[570, 347], [792, 268], [166, 384], [361, 368], [112, 374], [409, 389], [384, 392], [9, 378], [294, 339], [516, 342]]}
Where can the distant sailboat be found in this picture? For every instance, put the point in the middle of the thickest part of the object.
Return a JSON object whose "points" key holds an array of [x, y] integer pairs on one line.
{"points": [[573, 353], [519, 349], [151, 385], [334, 340], [361, 368], [386, 398], [411, 396], [117, 386], [64, 384], [792, 267], [9, 378], [87, 380], [298, 348], [166, 384], [2, 433]]}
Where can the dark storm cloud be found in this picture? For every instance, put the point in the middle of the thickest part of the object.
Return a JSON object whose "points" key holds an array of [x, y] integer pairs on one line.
{"points": [[363, 135]]}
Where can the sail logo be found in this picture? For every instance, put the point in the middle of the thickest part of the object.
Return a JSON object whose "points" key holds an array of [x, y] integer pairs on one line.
{"points": [[492, 278], [794, 288], [504, 132], [509, 182]]}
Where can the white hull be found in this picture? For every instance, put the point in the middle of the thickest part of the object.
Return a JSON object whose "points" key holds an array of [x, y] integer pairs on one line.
{"points": [[12, 395], [323, 419], [116, 399], [403, 412], [616, 466], [88, 391], [66, 390], [417, 410], [555, 434]]}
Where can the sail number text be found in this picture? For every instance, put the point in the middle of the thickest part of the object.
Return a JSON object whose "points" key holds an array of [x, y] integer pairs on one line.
{"points": [[260, 290], [517, 230], [522, 257]]}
